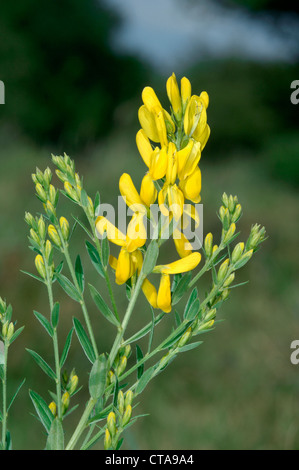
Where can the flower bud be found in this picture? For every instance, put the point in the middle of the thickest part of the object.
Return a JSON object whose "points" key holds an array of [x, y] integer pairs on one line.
{"points": [[29, 219], [53, 408], [127, 416], [111, 423], [48, 250], [53, 234], [237, 213], [231, 204], [73, 384], [222, 270], [129, 398], [208, 244], [47, 176], [185, 338], [50, 209], [41, 192], [229, 280], [52, 195], [229, 234], [40, 266], [34, 236], [41, 228], [70, 191], [65, 228], [121, 366], [237, 252], [65, 400], [120, 402], [206, 326], [174, 95], [107, 440], [224, 217], [211, 314], [244, 259]]}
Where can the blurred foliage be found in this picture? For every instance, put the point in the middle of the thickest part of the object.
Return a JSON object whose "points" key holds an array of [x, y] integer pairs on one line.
{"points": [[63, 81], [272, 5]]}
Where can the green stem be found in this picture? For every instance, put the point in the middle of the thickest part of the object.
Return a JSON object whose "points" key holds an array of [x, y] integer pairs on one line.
{"points": [[81, 425], [4, 396]]}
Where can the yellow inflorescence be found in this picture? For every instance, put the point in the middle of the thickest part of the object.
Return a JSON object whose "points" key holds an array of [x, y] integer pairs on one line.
{"points": [[170, 145]]}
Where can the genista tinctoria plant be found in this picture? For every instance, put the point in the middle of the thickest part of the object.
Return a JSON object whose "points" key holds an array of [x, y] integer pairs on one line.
{"points": [[170, 144]]}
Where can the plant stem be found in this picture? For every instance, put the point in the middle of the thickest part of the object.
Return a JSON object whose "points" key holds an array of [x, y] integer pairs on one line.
{"points": [[81, 425], [4, 395]]}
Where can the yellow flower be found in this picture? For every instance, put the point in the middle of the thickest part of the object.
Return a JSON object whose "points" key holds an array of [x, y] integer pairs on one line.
{"points": [[195, 119], [174, 95], [136, 201], [180, 266], [191, 186], [164, 294]]}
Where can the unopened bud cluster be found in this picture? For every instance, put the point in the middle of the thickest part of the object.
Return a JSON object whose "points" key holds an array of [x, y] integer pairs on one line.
{"points": [[118, 420], [7, 326]]}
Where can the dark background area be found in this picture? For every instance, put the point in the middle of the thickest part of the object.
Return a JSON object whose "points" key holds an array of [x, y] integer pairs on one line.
{"points": [[68, 88]]}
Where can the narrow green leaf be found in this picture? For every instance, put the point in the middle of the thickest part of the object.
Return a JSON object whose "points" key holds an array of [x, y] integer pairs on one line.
{"points": [[68, 287], [190, 346], [181, 288], [141, 333], [84, 340], [97, 379], [79, 273], [193, 310], [55, 315], [144, 380], [95, 258], [45, 415], [175, 335], [55, 439], [66, 348], [105, 251], [15, 394], [102, 306], [44, 322], [33, 275], [78, 221], [192, 298], [139, 356], [43, 364]]}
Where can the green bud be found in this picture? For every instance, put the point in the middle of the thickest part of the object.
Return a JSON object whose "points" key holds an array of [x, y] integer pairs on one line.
{"points": [[50, 209], [35, 236], [129, 398], [208, 244], [48, 250], [229, 280], [185, 338], [211, 314], [8, 330], [225, 199], [121, 366], [225, 218], [107, 440], [41, 192], [222, 270], [111, 423], [73, 384], [127, 416], [41, 228], [65, 400], [29, 219], [244, 259], [47, 176], [231, 204], [229, 234], [120, 402], [237, 213], [237, 252], [65, 228], [53, 234], [40, 266], [52, 195]]}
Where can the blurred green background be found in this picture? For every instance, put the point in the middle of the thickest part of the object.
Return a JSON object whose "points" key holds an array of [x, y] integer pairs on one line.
{"points": [[72, 86]]}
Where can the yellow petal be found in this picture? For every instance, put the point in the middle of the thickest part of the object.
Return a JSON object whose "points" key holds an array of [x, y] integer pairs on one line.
{"points": [[148, 123], [180, 266], [164, 294], [161, 126], [130, 193], [136, 232], [124, 267], [175, 201], [191, 186], [183, 154], [161, 200], [158, 163], [191, 161], [205, 98], [195, 118], [113, 262], [150, 292], [185, 90], [204, 137], [113, 234], [148, 192], [150, 98], [174, 94], [182, 244], [172, 166], [144, 146]]}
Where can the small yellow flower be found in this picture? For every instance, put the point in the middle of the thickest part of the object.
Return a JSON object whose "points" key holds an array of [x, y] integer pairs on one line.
{"points": [[174, 95]]}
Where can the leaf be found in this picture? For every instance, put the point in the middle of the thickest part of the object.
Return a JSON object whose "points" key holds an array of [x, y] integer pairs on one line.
{"points": [[33, 275], [105, 251], [15, 394], [42, 363], [79, 273], [68, 287], [45, 415], [97, 379], [95, 258], [190, 346], [78, 221], [84, 340], [181, 288], [55, 439], [150, 258], [139, 356], [45, 323], [66, 348], [55, 315], [172, 338], [192, 298], [102, 306], [141, 333], [144, 380], [193, 310]]}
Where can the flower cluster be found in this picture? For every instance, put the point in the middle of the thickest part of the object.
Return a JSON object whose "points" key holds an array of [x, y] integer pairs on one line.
{"points": [[170, 146]]}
